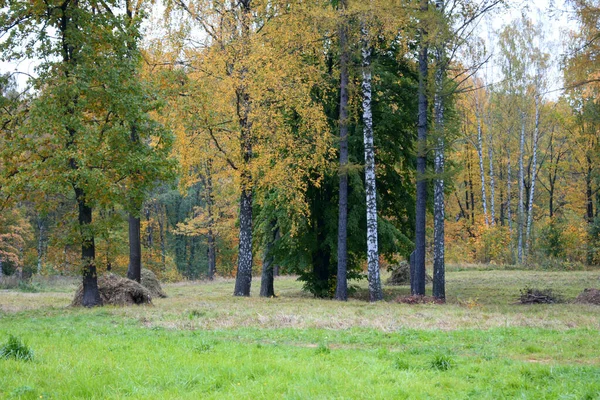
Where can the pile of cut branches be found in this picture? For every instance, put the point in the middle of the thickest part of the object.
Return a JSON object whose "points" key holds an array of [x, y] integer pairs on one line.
{"points": [[539, 296]]}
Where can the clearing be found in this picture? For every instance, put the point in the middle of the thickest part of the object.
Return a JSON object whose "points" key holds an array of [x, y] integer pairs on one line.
{"points": [[201, 342]]}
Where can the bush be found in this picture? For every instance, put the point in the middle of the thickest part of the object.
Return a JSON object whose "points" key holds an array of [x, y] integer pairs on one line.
{"points": [[16, 349], [492, 244], [28, 287], [593, 251]]}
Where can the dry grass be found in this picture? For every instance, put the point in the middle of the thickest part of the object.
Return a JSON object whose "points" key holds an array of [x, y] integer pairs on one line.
{"points": [[477, 299]]}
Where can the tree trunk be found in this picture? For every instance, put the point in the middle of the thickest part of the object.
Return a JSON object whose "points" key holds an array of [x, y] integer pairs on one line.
{"points": [[40, 246], [149, 230], [509, 192], [341, 290], [91, 295], [480, 156], [589, 200], [492, 177], [439, 212], [502, 205], [243, 279], [267, 277], [134, 272], [471, 190], [521, 190], [421, 199], [375, 292], [210, 237], [212, 256], [533, 177]]}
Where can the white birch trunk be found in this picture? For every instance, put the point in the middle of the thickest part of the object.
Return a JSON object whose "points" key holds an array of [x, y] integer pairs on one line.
{"points": [[480, 155], [375, 292], [533, 176], [439, 212], [521, 189], [509, 192], [492, 177]]}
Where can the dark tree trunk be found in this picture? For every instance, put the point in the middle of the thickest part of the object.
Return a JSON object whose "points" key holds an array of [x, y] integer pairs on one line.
{"points": [[341, 290], [266, 282], [411, 262], [421, 200], [149, 231], [91, 295], [134, 272], [589, 200], [212, 256], [41, 240], [211, 240], [501, 177], [161, 233]]}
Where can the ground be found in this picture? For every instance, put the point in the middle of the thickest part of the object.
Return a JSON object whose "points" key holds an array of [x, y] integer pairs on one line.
{"points": [[201, 342]]}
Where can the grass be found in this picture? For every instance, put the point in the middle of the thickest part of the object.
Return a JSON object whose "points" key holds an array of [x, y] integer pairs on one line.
{"points": [[203, 343]]}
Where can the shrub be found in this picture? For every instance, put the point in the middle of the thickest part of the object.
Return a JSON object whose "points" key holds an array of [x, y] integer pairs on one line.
{"points": [[16, 349], [28, 287], [492, 244]]}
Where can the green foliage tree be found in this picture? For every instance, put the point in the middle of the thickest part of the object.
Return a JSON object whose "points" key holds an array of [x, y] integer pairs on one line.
{"points": [[77, 136]]}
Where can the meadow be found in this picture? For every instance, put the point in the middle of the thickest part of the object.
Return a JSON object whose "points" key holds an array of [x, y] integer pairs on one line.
{"points": [[201, 342]]}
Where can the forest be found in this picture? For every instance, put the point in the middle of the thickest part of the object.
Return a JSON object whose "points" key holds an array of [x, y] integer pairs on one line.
{"points": [[281, 199], [326, 140]]}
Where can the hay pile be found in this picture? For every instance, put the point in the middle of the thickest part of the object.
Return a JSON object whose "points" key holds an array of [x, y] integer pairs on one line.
{"points": [[401, 275], [115, 290], [589, 296], [150, 282]]}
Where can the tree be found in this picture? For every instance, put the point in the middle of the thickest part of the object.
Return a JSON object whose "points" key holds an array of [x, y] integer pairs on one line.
{"points": [[77, 135], [264, 74]]}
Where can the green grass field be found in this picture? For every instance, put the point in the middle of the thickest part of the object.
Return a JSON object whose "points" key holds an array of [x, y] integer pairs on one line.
{"points": [[203, 343]]}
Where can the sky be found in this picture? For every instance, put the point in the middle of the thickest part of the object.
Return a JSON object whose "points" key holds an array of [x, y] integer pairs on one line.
{"points": [[551, 13]]}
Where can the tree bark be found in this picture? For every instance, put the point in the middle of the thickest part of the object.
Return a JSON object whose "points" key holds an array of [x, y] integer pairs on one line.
{"points": [[421, 199], [210, 235], [40, 246], [533, 177], [243, 279], [375, 292], [492, 176], [267, 277], [589, 200], [521, 190], [471, 190], [478, 112], [91, 294], [439, 212], [134, 272], [341, 290], [509, 191]]}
